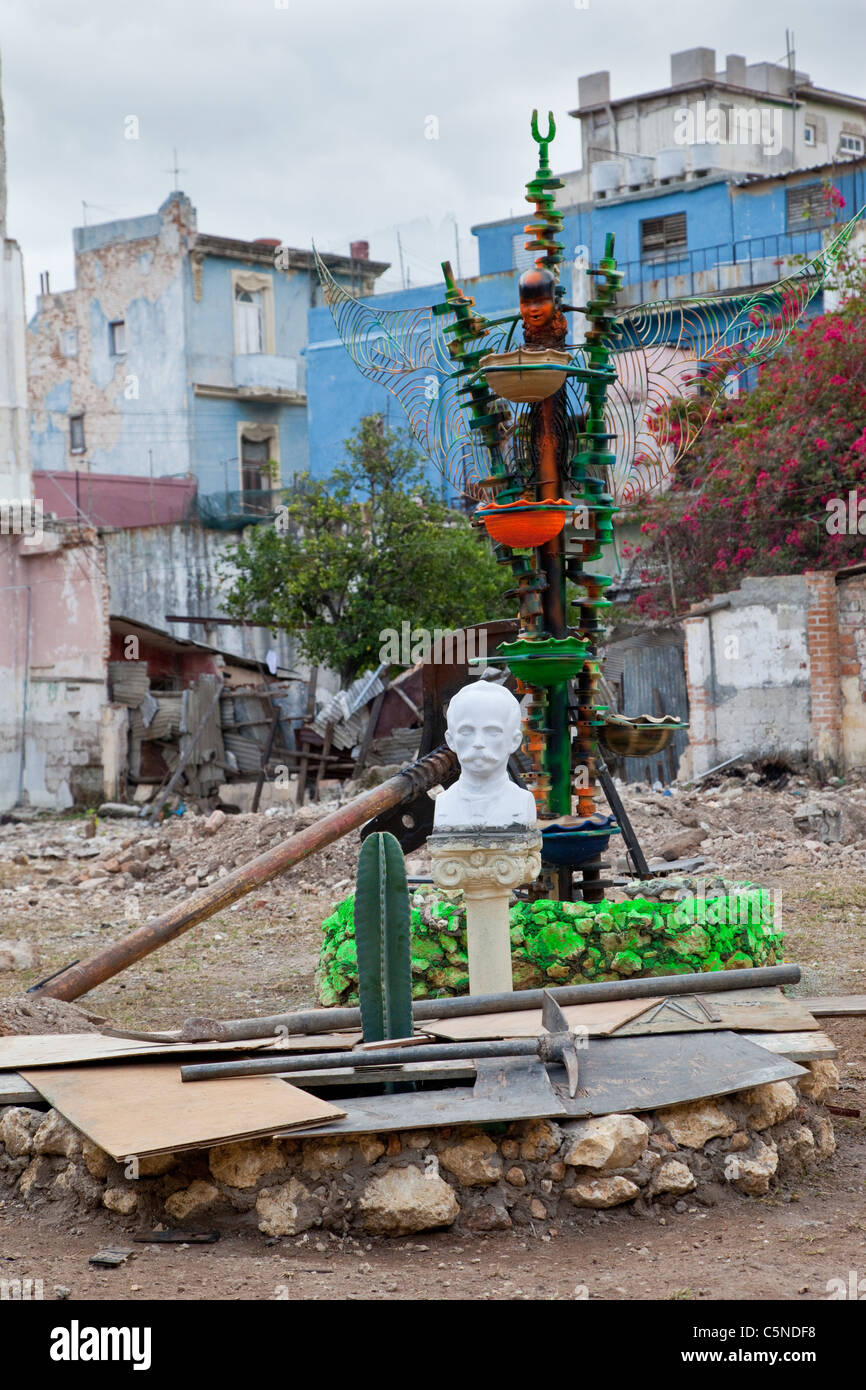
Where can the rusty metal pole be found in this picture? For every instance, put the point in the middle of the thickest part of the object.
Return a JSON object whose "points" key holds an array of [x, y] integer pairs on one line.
{"points": [[85, 975]]}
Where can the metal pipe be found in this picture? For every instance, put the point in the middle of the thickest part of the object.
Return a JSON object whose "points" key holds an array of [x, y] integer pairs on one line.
{"points": [[334, 1020], [77, 979], [391, 1056]]}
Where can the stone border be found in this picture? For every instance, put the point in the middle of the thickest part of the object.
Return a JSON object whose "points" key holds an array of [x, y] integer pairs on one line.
{"points": [[479, 1179]]}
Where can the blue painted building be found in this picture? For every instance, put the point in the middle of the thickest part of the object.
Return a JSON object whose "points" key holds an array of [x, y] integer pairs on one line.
{"points": [[178, 355], [719, 234]]}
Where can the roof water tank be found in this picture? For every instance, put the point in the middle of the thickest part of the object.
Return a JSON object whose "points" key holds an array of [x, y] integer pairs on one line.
{"points": [[704, 158], [640, 170], [671, 163], [606, 176]]}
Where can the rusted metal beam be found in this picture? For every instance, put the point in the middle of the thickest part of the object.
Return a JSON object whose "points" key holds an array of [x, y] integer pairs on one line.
{"points": [[85, 975]]}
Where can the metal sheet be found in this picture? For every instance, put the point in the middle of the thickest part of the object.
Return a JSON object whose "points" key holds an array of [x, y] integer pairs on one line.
{"points": [[516, 1088], [617, 1075], [744, 1010], [623, 1075]]}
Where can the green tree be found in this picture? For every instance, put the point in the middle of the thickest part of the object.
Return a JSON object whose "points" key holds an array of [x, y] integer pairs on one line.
{"points": [[368, 549]]}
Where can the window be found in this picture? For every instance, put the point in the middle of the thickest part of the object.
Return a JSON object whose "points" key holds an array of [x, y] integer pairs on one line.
{"points": [[249, 334], [850, 144], [76, 434], [660, 236], [69, 342], [806, 206], [521, 259], [809, 135], [255, 473], [117, 338]]}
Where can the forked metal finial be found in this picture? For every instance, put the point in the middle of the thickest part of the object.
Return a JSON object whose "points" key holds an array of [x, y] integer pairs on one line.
{"points": [[551, 129]]}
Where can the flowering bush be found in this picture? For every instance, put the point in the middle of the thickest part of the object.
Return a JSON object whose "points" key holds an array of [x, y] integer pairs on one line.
{"points": [[755, 493]]}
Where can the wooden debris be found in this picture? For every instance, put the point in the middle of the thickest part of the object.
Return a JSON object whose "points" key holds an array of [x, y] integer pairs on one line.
{"points": [[144, 1107]]}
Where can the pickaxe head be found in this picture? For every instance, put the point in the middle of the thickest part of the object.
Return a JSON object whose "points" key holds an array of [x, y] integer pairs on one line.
{"points": [[559, 1043]]}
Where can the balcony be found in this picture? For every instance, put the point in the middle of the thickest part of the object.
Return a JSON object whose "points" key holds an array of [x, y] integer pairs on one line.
{"points": [[737, 267], [262, 376], [229, 511]]}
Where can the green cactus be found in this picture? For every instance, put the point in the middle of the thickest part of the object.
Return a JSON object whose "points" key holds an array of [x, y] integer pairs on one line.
{"points": [[382, 939]]}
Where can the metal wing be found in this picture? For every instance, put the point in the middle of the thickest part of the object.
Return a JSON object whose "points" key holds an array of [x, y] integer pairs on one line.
{"points": [[406, 351], [695, 348]]}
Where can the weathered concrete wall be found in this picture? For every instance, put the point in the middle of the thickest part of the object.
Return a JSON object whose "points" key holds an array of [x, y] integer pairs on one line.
{"points": [[53, 654], [748, 674], [134, 402], [154, 570], [851, 598]]}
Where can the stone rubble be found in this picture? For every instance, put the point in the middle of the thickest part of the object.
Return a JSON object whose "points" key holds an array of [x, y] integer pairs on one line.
{"points": [[531, 1173]]}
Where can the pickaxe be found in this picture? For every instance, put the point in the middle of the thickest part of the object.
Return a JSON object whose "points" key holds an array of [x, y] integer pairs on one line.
{"points": [[558, 1044]]}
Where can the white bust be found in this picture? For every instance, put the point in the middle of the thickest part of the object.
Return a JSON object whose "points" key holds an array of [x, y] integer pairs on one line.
{"points": [[484, 729]]}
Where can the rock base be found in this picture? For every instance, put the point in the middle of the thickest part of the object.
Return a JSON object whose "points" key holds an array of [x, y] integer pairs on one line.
{"points": [[532, 1173]]}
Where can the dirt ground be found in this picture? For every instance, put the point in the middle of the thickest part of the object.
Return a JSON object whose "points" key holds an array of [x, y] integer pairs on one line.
{"points": [[260, 957]]}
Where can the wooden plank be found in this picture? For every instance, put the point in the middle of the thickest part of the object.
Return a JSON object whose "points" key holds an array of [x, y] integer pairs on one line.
{"points": [[750, 1010], [145, 1108], [597, 1019], [71, 1049], [14, 1090], [797, 1047], [836, 1006]]}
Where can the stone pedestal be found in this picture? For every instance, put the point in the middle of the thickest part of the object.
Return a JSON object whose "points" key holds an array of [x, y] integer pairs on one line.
{"points": [[487, 865]]}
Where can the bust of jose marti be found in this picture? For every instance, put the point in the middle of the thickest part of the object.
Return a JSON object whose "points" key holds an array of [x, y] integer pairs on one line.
{"points": [[484, 729]]}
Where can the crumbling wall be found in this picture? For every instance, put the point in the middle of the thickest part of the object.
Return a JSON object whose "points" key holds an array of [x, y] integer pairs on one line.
{"points": [[53, 664], [748, 674], [851, 603], [536, 1172]]}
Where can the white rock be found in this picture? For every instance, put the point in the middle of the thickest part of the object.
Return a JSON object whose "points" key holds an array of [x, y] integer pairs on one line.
{"points": [[674, 1177], [194, 1200], [123, 1200], [17, 1128], [405, 1200], [603, 1192], [752, 1174], [611, 1141], [692, 1125], [475, 1162], [17, 955], [286, 1210], [821, 1078], [769, 1104], [56, 1136]]}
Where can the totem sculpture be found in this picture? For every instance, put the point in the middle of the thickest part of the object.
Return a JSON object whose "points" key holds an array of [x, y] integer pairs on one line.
{"points": [[546, 438]]}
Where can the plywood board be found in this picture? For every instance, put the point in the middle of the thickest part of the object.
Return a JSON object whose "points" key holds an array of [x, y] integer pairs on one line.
{"points": [[145, 1108], [797, 1047], [596, 1019], [14, 1090], [750, 1010], [836, 1006], [616, 1075], [18, 1051]]}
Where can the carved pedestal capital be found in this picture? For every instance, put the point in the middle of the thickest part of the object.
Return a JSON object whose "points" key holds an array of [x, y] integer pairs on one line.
{"points": [[484, 863]]}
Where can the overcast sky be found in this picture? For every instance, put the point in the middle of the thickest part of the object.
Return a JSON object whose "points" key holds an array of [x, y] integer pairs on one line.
{"points": [[306, 119]]}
